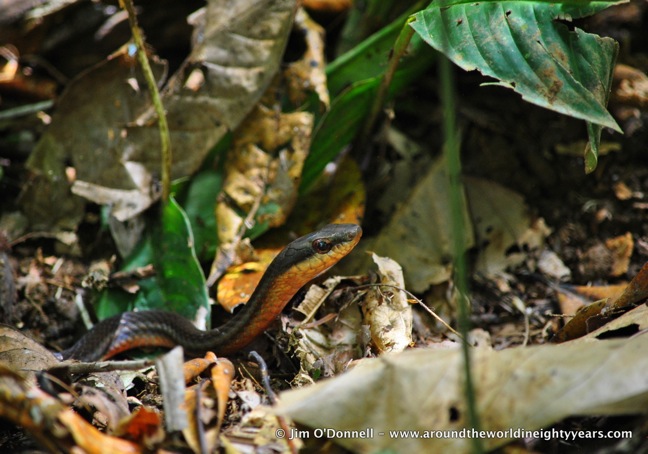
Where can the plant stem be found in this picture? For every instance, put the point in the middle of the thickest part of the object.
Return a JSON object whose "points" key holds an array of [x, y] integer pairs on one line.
{"points": [[400, 46], [165, 141], [457, 204]]}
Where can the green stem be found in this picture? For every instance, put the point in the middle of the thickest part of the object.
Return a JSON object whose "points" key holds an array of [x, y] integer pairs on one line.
{"points": [[399, 49], [165, 141], [457, 204]]}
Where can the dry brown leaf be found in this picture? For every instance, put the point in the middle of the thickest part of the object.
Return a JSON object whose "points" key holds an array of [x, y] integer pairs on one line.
{"points": [[308, 74], [238, 283], [52, 424], [222, 376], [386, 309], [621, 248], [518, 388], [105, 127], [418, 235], [263, 171], [22, 353], [595, 315], [203, 415], [326, 349], [143, 426], [502, 222], [572, 297]]}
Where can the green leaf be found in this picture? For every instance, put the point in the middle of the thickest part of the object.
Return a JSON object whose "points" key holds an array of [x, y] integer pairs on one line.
{"points": [[339, 126], [178, 272], [199, 204], [365, 61], [521, 44], [179, 283]]}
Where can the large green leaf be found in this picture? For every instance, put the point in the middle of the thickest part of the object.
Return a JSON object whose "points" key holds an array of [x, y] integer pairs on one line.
{"points": [[199, 206], [178, 271], [521, 44], [179, 282]]}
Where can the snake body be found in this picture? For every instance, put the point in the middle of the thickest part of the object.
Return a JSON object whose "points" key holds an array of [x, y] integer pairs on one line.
{"points": [[297, 264]]}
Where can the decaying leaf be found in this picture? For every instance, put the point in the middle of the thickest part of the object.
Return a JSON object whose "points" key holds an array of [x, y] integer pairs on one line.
{"points": [[418, 235], [325, 349], [106, 131], [50, 422], [386, 309], [595, 315], [264, 165], [525, 388], [504, 229], [308, 73]]}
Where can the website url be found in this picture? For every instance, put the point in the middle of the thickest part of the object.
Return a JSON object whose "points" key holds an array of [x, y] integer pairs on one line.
{"points": [[545, 434]]}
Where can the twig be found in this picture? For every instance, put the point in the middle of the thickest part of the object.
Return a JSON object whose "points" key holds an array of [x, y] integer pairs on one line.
{"points": [[400, 46], [421, 303], [101, 366], [165, 142]]}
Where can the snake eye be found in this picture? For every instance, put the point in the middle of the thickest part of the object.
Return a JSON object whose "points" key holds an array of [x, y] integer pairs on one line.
{"points": [[322, 246]]}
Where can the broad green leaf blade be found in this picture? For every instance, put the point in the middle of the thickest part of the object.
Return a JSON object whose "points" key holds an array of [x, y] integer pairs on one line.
{"points": [[520, 44], [179, 274], [179, 283], [199, 206]]}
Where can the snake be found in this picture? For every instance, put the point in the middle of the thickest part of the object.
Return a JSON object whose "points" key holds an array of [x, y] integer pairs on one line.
{"points": [[296, 265]]}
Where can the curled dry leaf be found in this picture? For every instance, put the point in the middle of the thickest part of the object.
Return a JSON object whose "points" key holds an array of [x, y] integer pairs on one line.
{"points": [[422, 390], [222, 375], [52, 424], [386, 309], [308, 73]]}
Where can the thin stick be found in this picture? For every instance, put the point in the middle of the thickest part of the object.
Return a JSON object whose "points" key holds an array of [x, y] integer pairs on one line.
{"points": [[400, 46], [165, 141]]}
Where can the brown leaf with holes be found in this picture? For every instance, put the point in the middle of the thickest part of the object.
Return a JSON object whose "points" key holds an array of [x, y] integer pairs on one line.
{"points": [[621, 248], [595, 315]]}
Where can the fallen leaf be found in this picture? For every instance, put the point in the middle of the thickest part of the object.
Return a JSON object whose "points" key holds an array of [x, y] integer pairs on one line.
{"points": [[504, 229], [595, 315], [386, 309], [308, 74], [105, 126], [418, 235], [621, 248], [422, 391]]}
